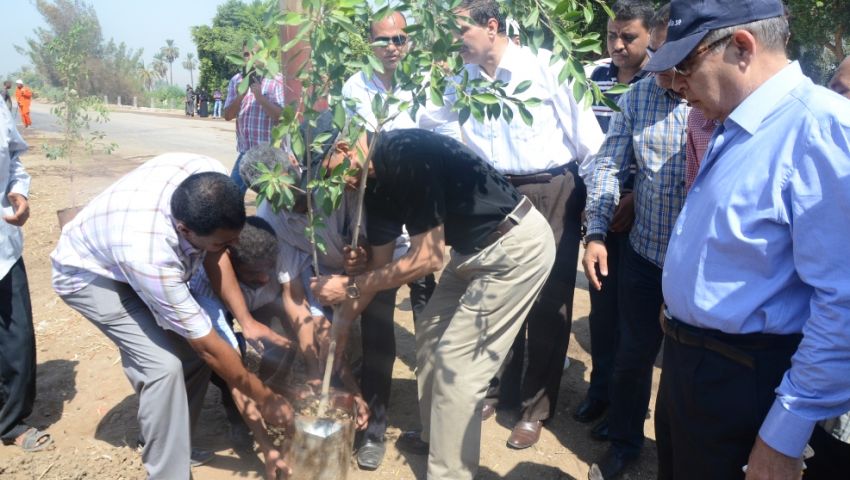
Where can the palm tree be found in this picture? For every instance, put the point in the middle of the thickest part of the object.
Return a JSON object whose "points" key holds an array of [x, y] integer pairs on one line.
{"points": [[189, 64], [170, 52], [159, 66], [147, 75]]}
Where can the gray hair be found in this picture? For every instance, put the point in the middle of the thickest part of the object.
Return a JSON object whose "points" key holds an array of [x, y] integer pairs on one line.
{"points": [[269, 156], [771, 33]]}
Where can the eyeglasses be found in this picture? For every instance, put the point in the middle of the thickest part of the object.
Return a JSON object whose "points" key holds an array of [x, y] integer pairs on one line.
{"points": [[397, 40], [686, 66]]}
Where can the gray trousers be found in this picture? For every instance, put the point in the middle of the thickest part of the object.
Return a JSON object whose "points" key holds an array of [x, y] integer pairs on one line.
{"points": [[464, 333], [166, 373]]}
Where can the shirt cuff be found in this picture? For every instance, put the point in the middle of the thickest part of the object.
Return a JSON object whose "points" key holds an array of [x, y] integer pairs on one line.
{"points": [[17, 187], [595, 226], [785, 431]]}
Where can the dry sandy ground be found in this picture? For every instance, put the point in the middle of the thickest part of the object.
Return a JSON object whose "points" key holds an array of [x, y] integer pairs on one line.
{"points": [[88, 406]]}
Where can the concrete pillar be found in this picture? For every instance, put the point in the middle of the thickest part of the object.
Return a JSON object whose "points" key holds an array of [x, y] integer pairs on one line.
{"points": [[135, 104], [105, 100], [119, 101]]}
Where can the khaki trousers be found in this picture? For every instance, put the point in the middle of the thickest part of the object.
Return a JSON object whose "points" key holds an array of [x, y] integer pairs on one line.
{"points": [[465, 332]]}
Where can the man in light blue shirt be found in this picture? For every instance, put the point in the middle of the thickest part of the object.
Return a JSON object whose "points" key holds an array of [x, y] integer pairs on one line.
{"points": [[755, 277]]}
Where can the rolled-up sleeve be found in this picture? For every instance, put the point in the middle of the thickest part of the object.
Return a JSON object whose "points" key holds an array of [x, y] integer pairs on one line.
{"points": [[817, 386]]}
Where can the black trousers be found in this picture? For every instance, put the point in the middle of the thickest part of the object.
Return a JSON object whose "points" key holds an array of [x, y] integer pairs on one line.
{"points": [[604, 321], [378, 340], [546, 331], [17, 353], [640, 301], [710, 407]]}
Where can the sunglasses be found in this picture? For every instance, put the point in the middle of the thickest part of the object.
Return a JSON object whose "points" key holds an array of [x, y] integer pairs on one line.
{"points": [[686, 66], [397, 40]]}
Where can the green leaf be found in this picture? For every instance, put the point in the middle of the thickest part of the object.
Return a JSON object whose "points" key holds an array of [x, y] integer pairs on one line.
{"points": [[486, 98], [463, 115], [525, 114], [523, 86], [618, 89]]}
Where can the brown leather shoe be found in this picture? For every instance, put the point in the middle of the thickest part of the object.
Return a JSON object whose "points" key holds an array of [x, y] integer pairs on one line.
{"points": [[525, 434], [487, 412]]}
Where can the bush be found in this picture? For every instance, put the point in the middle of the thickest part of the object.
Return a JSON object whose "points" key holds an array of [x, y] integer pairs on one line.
{"points": [[161, 96]]}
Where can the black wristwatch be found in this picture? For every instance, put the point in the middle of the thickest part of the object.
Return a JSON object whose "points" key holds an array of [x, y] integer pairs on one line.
{"points": [[352, 291], [592, 238]]}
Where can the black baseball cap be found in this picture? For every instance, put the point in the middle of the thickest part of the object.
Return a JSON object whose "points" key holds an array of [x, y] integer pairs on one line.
{"points": [[691, 20]]}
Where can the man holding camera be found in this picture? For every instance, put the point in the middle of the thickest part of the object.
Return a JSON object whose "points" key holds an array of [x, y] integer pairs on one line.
{"points": [[256, 111]]}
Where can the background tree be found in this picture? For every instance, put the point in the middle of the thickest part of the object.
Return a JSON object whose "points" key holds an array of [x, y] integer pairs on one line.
{"points": [[109, 68], [146, 75], [170, 53], [820, 35], [190, 64], [159, 65], [234, 22]]}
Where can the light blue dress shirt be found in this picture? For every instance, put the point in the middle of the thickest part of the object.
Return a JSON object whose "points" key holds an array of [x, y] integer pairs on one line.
{"points": [[13, 179], [761, 244]]}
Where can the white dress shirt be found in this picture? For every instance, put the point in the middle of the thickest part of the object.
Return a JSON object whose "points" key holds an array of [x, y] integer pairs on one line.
{"points": [[562, 130], [127, 234], [362, 89], [14, 179]]}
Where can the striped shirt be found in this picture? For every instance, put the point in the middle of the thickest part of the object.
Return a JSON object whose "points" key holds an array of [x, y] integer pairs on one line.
{"points": [[649, 131], [127, 234], [253, 125]]}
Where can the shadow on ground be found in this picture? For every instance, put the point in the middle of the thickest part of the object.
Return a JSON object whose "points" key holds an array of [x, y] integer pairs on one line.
{"points": [[56, 385]]}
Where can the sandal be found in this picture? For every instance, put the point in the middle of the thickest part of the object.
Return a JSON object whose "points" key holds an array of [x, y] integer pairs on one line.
{"points": [[34, 440]]}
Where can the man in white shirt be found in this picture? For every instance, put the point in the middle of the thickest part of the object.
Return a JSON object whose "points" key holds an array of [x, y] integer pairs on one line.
{"points": [[124, 262], [541, 161], [17, 339]]}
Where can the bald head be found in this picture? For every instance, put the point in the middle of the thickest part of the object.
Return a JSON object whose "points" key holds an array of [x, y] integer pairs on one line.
{"points": [[840, 82], [394, 21]]}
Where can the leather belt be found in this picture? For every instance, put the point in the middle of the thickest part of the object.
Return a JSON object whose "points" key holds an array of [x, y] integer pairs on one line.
{"points": [[700, 338], [545, 176], [510, 221]]}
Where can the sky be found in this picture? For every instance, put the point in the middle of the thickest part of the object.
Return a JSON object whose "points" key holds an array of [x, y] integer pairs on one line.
{"points": [[138, 23]]}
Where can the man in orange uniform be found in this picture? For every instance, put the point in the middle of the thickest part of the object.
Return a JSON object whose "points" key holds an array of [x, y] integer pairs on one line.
{"points": [[24, 97]]}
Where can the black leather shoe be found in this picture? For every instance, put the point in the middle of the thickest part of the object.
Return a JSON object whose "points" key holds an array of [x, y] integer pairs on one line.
{"points": [[611, 465], [589, 410], [370, 454], [411, 442], [600, 431]]}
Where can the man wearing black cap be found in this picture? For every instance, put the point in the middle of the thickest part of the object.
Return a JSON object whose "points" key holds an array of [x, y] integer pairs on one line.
{"points": [[757, 317], [502, 251]]}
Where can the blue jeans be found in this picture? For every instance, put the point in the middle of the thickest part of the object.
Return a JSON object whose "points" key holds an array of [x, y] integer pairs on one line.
{"points": [[234, 175], [217, 108]]}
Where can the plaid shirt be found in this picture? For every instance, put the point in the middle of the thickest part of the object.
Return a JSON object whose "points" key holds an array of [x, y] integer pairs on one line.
{"points": [[127, 234], [700, 130], [253, 126], [650, 130]]}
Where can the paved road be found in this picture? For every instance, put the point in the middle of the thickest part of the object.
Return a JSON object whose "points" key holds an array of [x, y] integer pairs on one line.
{"points": [[149, 134]]}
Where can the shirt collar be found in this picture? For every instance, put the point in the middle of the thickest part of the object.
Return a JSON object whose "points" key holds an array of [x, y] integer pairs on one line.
{"points": [[755, 108]]}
